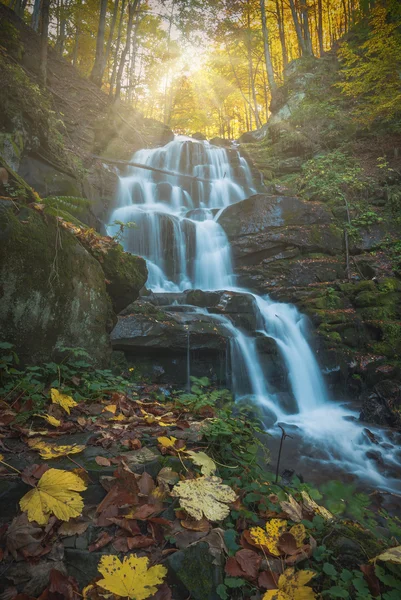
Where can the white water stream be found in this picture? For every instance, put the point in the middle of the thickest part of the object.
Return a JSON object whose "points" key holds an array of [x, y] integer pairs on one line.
{"points": [[177, 232]]}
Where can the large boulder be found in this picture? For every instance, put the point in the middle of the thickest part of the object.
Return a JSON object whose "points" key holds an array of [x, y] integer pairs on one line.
{"points": [[53, 290], [126, 274], [382, 406], [148, 327], [261, 212], [282, 241]]}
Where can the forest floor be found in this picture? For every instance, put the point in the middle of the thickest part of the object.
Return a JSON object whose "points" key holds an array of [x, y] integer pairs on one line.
{"points": [[100, 474]]}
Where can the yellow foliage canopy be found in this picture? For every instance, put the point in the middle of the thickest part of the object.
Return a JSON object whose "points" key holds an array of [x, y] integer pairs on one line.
{"points": [[130, 578], [55, 493]]}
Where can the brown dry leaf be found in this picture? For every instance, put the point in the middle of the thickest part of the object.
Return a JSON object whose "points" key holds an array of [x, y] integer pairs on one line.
{"points": [[194, 525], [73, 528], [245, 563], [102, 461], [23, 535], [292, 509], [102, 540], [168, 476], [371, 579]]}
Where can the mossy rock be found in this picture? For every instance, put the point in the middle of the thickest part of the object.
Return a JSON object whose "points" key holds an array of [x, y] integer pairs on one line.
{"points": [[54, 293], [126, 274]]}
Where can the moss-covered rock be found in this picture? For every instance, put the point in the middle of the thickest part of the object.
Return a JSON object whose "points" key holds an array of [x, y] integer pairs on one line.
{"points": [[197, 571], [53, 291], [126, 274]]}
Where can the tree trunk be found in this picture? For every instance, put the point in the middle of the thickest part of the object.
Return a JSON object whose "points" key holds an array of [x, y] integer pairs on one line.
{"points": [[165, 105], [320, 27], [131, 11], [268, 59], [301, 41], [306, 28], [62, 33], [118, 42], [110, 38], [131, 73], [251, 75], [281, 31], [97, 71], [36, 15], [43, 40]]}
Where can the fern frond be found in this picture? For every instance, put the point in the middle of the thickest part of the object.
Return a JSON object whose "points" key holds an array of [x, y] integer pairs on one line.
{"points": [[72, 204]]}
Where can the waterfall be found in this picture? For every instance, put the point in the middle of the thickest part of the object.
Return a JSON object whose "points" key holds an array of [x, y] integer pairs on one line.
{"points": [[176, 230], [175, 217], [286, 326]]}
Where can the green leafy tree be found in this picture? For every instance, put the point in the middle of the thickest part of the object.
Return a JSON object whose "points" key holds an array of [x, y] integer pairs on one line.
{"points": [[371, 70]]}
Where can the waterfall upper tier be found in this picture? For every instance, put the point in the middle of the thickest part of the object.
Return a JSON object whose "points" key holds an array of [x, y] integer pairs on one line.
{"points": [[174, 216]]}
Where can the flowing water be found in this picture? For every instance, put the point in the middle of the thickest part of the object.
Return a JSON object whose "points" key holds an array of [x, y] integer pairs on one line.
{"points": [[176, 230]]}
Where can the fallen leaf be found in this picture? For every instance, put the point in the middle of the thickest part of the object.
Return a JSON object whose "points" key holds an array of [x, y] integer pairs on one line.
{"points": [[205, 496], [102, 540], [49, 451], [102, 461], [292, 509], [110, 408], [63, 400], [168, 476], [55, 493], [201, 459], [194, 525], [131, 578], [50, 419], [23, 535], [292, 586], [70, 528], [245, 563], [371, 579], [268, 539], [312, 506], [392, 555], [63, 586]]}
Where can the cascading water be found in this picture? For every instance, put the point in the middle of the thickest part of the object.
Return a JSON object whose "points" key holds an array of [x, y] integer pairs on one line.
{"points": [[176, 230], [175, 225]]}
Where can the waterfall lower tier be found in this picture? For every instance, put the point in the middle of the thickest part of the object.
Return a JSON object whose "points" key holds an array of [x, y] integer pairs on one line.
{"points": [[171, 220]]}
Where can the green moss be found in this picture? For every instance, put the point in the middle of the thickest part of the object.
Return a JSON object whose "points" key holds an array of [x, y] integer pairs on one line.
{"points": [[64, 302]]}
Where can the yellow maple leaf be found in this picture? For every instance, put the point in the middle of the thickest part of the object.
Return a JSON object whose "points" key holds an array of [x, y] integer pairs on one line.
{"points": [[117, 418], [205, 496], [131, 578], [48, 451], [110, 408], [270, 537], [50, 419], [153, 419], [299, 533], [63, 400], [292, 586], [55, 493], [207, 465], [167, 442]]}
